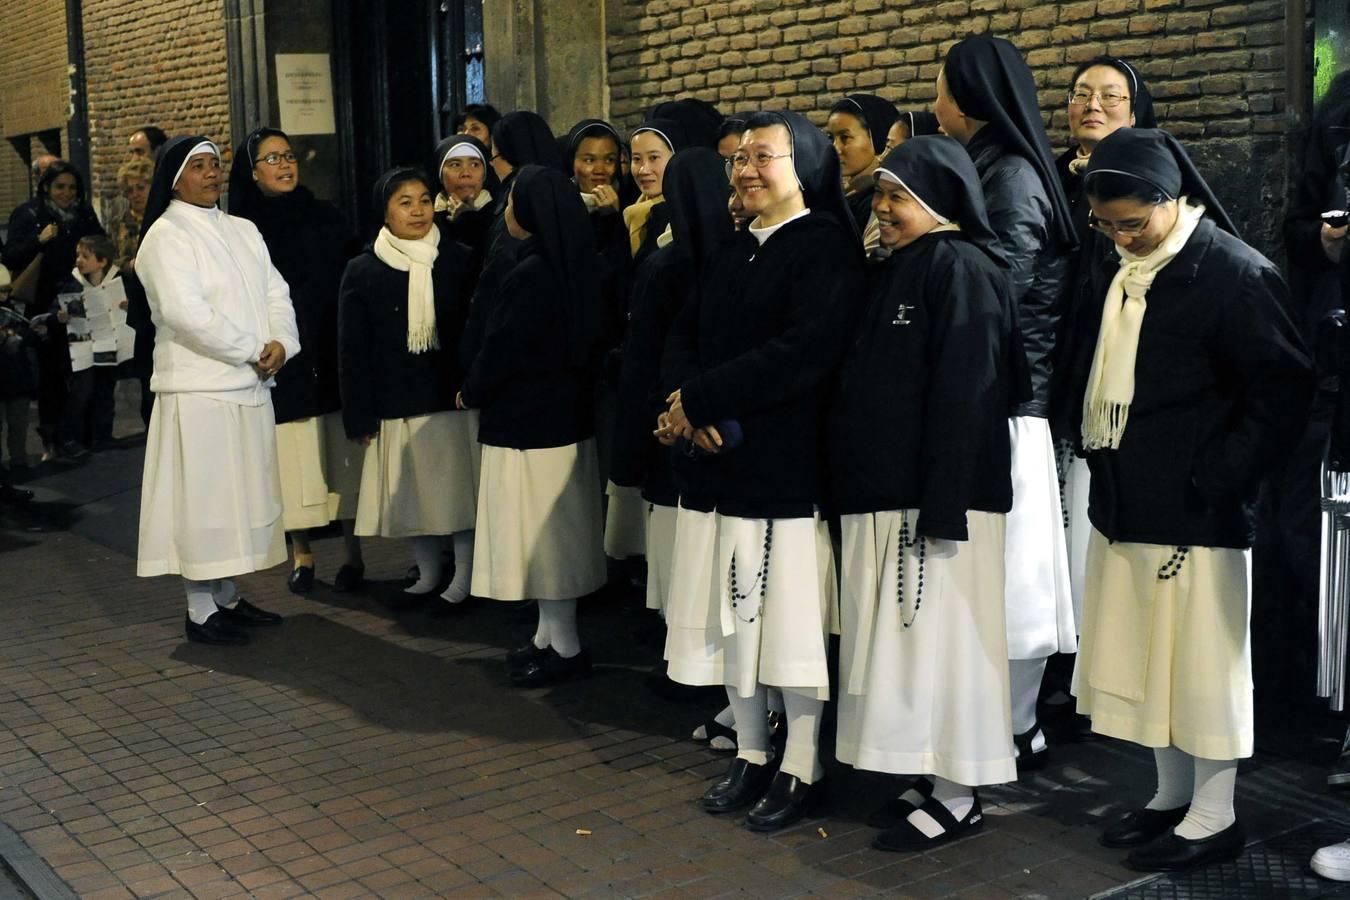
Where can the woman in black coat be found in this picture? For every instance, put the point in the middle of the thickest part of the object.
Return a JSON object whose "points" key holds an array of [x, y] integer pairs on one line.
{"points": [[533, 380], [464, 205], [401, 316], [49, 226], [309, 242], [752, 362], [1190, 380]]}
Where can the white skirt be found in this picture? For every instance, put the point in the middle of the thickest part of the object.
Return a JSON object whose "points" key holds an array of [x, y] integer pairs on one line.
{"points": [[211, 491], [1039, 598], [539, 524], [344, 461], [933, 698], [305, 498], [1078, 528], [420, 476], [776, 637], [1168, 661], [660, 554], [625, 522]]}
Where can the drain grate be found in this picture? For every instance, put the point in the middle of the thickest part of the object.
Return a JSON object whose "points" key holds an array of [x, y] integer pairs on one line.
{"points": [[1274, 869]]}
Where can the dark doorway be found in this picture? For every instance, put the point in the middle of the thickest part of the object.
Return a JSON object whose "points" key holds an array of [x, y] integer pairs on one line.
{"points": [[404, 70]]}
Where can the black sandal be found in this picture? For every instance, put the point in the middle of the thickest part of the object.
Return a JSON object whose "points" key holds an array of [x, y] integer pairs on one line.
{"points": [[913, 793], [906, 838]]}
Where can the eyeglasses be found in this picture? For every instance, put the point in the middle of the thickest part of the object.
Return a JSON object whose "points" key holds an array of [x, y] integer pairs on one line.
{"points": [[274, 159], [1126, 230], [1108, 99], [759, 159]]}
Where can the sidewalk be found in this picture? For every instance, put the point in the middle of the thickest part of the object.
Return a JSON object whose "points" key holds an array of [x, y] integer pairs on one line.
{"points": [[356, 752]]}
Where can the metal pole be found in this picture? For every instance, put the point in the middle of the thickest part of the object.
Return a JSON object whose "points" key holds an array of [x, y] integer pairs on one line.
{"points": [[77, 128]]}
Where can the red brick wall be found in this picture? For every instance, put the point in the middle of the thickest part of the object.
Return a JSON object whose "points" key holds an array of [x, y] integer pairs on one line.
{"points": [[33, 84], [151, 62], [1216, 68]]}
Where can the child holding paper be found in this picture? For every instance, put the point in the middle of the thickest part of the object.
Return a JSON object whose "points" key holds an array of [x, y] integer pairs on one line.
{"points": [[92, 332]]}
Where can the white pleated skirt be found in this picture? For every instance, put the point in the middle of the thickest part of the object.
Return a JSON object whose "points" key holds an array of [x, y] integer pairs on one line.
{"points": [[211, 491], [539, 532], [1037, 591], [933, 698], [625, 522], [660, 553], [301, 455], [1078, 528], [344, 460], [1168, 661], [778, 638], [420, 476]]}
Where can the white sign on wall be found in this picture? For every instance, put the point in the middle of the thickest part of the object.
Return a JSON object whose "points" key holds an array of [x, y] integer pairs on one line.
{"points": [[305, 93]]}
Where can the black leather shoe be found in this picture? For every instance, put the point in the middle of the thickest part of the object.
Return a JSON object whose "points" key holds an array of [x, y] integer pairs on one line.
{"points": [[14, 495], [1170, 853], [786, 801], [550, 668], [744, 783], [1029, 760], [244, 613], [301, 580], [217, 629], [349, 578], [525, 654], [1141, 826]]}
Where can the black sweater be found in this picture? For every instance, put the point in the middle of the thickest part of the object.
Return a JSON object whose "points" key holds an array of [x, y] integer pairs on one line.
{"points": [[380, 379], [920, 420], [637, 459], [1222, 387], [760, 345], [523, 379], [58, 255]]}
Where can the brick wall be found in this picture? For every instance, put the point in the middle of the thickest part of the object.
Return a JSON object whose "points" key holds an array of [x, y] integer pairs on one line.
{"points": [[33, 85], [1215, 67], [151, 62]]}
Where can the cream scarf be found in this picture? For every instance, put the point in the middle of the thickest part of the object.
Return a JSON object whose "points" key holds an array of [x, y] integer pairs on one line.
{"points": [[415, 258], [635, 217], [446, 203], [1078, 165], [1110, 387]]}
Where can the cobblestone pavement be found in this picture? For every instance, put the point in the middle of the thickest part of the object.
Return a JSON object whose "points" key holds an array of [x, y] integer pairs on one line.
{"points": [[362, 751]]}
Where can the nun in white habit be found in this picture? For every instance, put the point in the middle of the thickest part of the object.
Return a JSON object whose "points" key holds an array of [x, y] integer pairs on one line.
{"points": [[920, 461], [211, 495]]}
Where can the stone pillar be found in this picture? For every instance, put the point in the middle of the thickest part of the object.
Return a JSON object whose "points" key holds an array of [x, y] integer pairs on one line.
{"points": [[547, 56]]}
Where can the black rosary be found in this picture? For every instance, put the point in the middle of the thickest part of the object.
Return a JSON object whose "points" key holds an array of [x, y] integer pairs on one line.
{"points": [[903, 542], [761, 578], [1172, 568]]}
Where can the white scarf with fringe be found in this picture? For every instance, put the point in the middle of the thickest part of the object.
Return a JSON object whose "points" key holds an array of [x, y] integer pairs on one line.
{"points": [[415, 258], [1110, 387]]}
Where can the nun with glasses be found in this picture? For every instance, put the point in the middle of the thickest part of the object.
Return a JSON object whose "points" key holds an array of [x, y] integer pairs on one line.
{"points": [[751, 359], [920, 464], [224, 326], [858, 126], [310, 243], [539, 517], [986, 99], [1189, 383], [401, 313]]}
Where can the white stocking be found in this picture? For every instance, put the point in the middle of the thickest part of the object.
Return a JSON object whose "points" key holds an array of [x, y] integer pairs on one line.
{"points": [[224, 593], [427, 554], [458, 591], [561, 616], [1176, 772], [200, 604], [752, 725], [1212, 803], [801, 756]]}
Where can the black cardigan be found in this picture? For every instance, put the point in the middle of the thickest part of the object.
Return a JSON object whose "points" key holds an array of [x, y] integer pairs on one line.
{"points": [[760, 346], [637, 459], [380, 379], [1222, 388], [309, 242], [920, 420], [58, 254], [523, 378]]}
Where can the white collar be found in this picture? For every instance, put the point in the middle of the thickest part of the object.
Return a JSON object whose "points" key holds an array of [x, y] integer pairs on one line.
{"points": [[762, 234]]}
